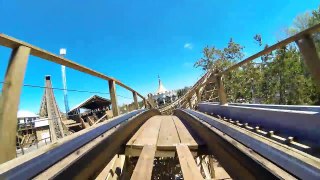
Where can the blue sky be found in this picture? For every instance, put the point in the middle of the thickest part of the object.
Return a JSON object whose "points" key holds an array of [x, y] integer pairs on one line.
{"points": [[134, 41]]}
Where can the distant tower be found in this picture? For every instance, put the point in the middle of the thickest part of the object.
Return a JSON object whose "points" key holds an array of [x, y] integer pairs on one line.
{"points": [[161, 88], [63, 52]]}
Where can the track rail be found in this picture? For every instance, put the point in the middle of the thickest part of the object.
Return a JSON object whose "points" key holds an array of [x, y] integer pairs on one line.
{"points": [[39, 163], [291, 160]]}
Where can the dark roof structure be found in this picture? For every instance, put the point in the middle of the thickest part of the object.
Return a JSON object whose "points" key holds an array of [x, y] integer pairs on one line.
{"points": [[93, 102]]}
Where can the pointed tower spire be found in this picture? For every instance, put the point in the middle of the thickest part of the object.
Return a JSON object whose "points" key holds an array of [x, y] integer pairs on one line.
{"points": [[161, 88]]}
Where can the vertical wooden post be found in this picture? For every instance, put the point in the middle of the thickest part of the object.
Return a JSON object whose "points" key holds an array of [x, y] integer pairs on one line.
{"points": [[190, 104], [145, 103], [113, 97], [310, 56], [135, 100], [198, 95], [9, 102], [221, 91]]}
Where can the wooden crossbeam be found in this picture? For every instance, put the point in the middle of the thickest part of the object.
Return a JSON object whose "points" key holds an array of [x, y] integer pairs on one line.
{"points": [[188, 165], [101, 119], [143, 169]]}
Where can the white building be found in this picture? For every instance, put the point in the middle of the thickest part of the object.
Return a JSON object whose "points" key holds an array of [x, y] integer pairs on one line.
{"points": [[26, 117], [163, 96], [28, 120]]}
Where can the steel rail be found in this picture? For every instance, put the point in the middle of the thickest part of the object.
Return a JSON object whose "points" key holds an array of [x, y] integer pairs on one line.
{"points": [[35, 166], [302, 125], [13, 43], [299, 164]]}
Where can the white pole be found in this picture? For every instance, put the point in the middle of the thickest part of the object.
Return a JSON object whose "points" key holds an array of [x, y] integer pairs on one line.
{"points": [[64, 82]]}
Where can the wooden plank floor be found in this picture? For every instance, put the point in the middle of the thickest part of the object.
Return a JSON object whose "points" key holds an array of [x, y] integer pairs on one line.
{"points": [[144, 167], [165, 132], [189, 167]]}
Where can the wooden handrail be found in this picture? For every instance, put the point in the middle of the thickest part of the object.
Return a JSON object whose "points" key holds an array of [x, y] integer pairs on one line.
{"points": [[13, 43], [313, 29], [278, 45]]}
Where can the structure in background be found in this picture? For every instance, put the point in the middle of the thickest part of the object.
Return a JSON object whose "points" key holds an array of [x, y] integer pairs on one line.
{"points": [[49, 109], [162, 95], [32, 132], [91, 111], [63, 52]]}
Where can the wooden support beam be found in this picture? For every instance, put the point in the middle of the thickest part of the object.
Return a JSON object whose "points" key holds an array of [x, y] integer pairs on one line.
{"points": [[143, 169], [188, 165], [83, 124], [198, 95], [106, 172], [135, 100], [127, 108], [190, 103], [145, 103], [310, 56], [205, 169], [91, 122], [117, 169], [113, 97], [9, 102], [221, 91], [101, 119]]}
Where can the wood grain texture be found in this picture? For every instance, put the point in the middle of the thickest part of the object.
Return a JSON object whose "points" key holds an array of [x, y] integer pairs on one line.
{"points": [[168, 136], [188, 165], [184, 135], [149, 135], [9, 102], [143, 169]]}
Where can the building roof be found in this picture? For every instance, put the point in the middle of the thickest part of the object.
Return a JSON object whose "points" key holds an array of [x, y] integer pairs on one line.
{"points": [[41, 122], [92, 102], [24, 113], [161, 88]]}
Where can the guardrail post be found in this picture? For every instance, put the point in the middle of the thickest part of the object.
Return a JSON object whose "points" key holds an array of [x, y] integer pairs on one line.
{"points": [[135, 99], [9, 102], [190, 104], [145, 103], [221, 91], [113, 97], [198, 95], [310, 56]]}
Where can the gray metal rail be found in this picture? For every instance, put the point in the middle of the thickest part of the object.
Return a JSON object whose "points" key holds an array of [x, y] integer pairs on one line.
{"points": [[297, 163], [33, 167]]}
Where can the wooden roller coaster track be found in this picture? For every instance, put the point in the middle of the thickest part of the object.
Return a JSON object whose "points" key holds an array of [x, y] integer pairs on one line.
{"points": [[145, 144]]}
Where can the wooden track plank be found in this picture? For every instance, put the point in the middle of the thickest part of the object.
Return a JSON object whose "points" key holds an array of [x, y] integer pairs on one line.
{"points": [[143, 169], [184, 134], [137, 134], [149, 135], [106, 171], [168, 135], [188, 165]]}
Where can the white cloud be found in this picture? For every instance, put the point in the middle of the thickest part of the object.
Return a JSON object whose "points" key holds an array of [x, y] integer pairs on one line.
{"points": [[188, 46]]}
